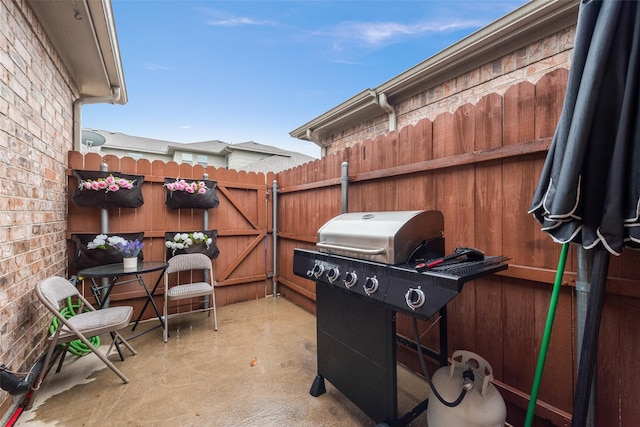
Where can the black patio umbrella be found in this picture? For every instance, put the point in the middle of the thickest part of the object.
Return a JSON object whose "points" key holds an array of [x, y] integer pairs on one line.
{"points": [[589, 190]]}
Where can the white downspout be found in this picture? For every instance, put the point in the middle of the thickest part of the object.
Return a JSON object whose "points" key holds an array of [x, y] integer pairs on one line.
{"points": [[323, 148], [384, 104], [77, 143], [77, 112]]}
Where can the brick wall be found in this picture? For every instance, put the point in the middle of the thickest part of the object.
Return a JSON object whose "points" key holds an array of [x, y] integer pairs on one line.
{"points": [[527, 64], [36, 119]]}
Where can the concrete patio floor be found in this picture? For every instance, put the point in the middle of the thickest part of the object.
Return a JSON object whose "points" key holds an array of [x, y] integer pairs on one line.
{"points": [[256, 370]]}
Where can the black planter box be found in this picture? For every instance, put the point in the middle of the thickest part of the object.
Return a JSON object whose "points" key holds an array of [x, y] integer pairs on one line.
{"points": [[212, 251], [84, 257], [186, 200], [122, 198]]}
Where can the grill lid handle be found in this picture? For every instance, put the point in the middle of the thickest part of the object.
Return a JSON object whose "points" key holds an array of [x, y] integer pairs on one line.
{"points": [[361, 251]]}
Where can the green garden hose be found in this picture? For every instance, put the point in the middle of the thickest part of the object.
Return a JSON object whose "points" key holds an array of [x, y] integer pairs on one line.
{"points": [[75, 347], [553, 303]]}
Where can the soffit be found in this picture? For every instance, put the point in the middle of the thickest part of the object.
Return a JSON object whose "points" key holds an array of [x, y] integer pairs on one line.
{"points": [[83, 33]]}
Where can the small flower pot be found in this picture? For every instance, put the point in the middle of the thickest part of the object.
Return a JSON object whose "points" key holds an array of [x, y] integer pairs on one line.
{"points": [[130, 263]]}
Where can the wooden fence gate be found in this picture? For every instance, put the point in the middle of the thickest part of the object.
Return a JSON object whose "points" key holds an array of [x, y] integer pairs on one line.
{"points": [[243, 269]]}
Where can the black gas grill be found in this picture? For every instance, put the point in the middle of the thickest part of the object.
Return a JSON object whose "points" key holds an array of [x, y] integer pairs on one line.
{"points": [[370, 265]]}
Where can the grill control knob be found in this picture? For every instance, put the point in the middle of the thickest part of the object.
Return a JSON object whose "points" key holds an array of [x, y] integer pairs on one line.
{"points": [[333, 274], [415, 298], [317, 271], [370, 285], [350, 279]]}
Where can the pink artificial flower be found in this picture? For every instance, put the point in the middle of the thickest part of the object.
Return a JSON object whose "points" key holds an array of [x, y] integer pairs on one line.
{"points": [[87, 185], [102, 185], [95, 185], [123, 183], [110, 180], [113, 187], [199, 187]]}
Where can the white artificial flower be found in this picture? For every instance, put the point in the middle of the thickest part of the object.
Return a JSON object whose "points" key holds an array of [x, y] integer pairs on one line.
{"points": [[99, 241], [114, 241]]}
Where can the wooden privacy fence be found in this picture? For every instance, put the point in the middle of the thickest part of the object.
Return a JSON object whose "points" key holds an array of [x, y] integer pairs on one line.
{"points": [[243, 269], [479, 166]]}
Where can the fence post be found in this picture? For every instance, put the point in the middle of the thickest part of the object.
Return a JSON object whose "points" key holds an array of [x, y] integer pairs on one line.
{"points": [[104, 229], [345, 187], [275, 238]]}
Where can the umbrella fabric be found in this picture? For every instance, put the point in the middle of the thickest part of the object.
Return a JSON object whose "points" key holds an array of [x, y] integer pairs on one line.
{"points": [[589, 189]]}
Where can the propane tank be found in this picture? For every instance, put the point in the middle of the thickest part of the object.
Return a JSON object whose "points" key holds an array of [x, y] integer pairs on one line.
{"points": [[481, 406]]}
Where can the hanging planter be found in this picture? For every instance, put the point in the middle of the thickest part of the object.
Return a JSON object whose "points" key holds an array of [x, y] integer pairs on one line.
{"points": [[189, 242], [184, 194], [85, 257], [107, 189]]}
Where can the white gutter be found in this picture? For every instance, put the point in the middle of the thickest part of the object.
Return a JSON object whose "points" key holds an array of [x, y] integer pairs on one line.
{"points": [[116, 93], [384, 104], [111, 51]]}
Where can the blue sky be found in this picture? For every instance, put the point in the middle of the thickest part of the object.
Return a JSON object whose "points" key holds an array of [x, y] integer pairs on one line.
{"points": [[240, 70]]}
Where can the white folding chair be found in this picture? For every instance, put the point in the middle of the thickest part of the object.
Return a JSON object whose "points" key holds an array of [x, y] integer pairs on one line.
{"points": [[88, 322], [183, 286]]}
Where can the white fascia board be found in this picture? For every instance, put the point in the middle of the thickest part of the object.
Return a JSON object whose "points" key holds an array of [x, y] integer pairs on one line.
{"points": [[525, 25]]}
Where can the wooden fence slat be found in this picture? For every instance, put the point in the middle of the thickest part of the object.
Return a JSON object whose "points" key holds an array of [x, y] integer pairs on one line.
{"points": [[519, 113]]}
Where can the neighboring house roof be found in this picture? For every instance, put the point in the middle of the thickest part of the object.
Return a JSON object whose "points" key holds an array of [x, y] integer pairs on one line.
{"points": [[279, 163], [277, 160], [257, 148], [84, 35], [158, 146], [509, 33]]}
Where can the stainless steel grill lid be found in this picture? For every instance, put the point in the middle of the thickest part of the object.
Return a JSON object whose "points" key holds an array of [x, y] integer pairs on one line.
{"points": [[386, 237]]}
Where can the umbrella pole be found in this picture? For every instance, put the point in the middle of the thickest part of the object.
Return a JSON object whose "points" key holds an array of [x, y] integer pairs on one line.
{"points": [[553, 303], [583, 284], [590, 339]]}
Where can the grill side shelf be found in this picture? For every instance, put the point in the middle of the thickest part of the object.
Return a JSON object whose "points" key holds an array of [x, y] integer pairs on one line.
{"points": [[469, 270]]}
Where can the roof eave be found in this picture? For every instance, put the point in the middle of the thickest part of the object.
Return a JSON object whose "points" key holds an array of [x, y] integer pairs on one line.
{"points": [[84, 35], [523, 26]]}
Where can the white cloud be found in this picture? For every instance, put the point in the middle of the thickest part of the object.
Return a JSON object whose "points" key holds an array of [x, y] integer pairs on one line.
{"points": [[237, 21], [378, 33], [156, 67], [224, 19]]}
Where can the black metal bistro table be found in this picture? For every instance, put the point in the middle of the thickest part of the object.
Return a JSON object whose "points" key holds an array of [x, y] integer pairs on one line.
{"points": [[115, 273]]}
